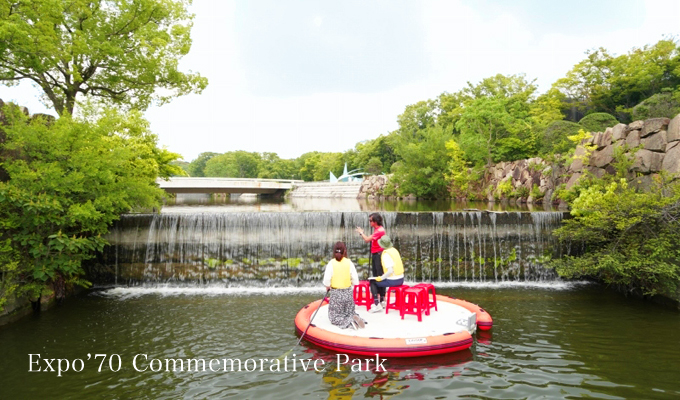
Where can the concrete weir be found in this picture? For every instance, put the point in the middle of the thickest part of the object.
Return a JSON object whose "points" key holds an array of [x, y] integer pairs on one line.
{"points": [[294, 247]]}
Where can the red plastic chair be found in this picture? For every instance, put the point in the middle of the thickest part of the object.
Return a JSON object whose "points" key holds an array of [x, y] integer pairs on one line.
{"points": [[362, 294], [398, 298], [430, 303], [413, 302]]}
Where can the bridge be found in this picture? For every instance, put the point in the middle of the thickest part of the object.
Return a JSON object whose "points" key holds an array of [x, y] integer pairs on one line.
{"points": [[226, 185]]}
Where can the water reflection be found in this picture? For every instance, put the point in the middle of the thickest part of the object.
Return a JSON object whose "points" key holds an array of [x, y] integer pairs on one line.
{"points": [[191, 203], [341, 380]]}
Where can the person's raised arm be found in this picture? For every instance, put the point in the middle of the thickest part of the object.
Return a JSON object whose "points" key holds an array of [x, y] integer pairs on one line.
{"points": [[367, 238]]}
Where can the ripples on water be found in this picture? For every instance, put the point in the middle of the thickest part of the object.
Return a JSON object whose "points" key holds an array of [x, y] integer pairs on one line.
{"points": [[557, 340]]}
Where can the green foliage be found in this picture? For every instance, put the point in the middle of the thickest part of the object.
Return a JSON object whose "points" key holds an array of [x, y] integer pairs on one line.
{"points": [[416, 118], [381, 148], [665, 104], [495, 120], [68, 181], [197, 166], [122, 53], [458, 171], [597, 122], [523, 192], [629, 237], [504, 188], [273, 167], [604, 83], [555, 138], [536, 192], [234, 164], [423, 164], [374, 166]]}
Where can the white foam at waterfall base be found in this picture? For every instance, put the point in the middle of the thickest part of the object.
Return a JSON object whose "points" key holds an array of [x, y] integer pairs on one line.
{"points": [[210, 290], [216, 290]]}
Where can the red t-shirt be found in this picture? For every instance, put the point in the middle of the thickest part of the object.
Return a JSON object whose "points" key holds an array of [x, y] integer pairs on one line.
{"points": [[377, 234]]}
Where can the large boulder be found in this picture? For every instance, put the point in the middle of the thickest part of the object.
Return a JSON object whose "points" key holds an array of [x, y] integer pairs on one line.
{"points": [[654, 125], [655, 142], [573, 179], [671, 145], [577, 164], [604, 139], [671, 161], [597, 172], [602, 157], [647, 161], [637, 125], [619, 132], [674, 129], [633, 139]]}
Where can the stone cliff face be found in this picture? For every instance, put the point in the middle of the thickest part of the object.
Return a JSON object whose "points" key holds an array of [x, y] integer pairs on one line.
{"points": [[653, 145]]}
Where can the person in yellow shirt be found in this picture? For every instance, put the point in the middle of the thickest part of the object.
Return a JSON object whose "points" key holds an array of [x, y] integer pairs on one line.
{"points": [[393, 271], [340, 276]]}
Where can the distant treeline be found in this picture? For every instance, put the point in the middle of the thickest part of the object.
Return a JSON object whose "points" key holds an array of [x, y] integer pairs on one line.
{"points": [[501, 118]]}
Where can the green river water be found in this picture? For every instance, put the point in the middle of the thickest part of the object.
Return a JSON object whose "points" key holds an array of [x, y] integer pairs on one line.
{"points": [[548, 341]]}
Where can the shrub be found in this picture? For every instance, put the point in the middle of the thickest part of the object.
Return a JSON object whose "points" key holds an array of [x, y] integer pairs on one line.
{"points": [[629, 238], [555, 137], [660, 105], [598, 122]]}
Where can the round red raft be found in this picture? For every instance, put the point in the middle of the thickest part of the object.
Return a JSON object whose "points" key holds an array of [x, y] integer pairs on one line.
{"points": [[447, 330]]}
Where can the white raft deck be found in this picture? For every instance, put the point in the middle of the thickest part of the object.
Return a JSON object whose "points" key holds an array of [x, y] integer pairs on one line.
{"points": [[450, 318]]}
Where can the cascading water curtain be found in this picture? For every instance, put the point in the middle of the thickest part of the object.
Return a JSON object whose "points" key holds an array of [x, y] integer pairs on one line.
{"points": [[293, 248]]}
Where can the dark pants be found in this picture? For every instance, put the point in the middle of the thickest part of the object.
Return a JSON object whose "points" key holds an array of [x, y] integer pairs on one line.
{"points": [[376, 286], [376, 267]]}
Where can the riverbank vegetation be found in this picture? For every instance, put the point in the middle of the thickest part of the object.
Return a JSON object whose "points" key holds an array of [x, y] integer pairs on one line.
{"points": [[63, 184], [500, 118], [627, 236], [64, 181], [621, 235]]}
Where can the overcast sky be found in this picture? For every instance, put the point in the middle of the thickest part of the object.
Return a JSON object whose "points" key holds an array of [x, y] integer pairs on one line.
{"points": [[296, 76]]}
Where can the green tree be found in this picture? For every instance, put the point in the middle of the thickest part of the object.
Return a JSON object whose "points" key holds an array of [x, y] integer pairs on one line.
{"points": [[124, 53], [587, 82], [458, 170], [604, 83], [234, 164], [67, 181], [491, 128], [423, 164], [374, 166], [197, 166], [382, 148], [274, 167], [417, 117]]}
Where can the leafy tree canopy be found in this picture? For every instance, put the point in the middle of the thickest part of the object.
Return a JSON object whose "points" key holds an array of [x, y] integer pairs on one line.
{"points": [[234, 164], [605, 83], [124, 52], [67, 181]]}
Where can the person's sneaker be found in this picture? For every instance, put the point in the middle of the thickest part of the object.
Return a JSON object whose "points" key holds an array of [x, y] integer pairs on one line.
{"points": [[376, 308], [383, 304], [359, 322]]}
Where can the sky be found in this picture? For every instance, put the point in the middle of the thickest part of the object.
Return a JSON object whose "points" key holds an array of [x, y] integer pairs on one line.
{"points": [[291, 76]]}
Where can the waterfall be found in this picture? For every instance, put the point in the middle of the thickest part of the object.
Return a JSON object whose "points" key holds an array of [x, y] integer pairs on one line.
{"points": [[294, 247]]}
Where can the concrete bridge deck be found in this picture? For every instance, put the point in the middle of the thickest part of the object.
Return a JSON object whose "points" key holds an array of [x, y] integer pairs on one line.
{"points": [[226, 185]]}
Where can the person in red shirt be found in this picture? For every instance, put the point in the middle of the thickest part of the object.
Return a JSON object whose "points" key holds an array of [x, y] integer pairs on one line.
{"points": [[376, 222]]}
